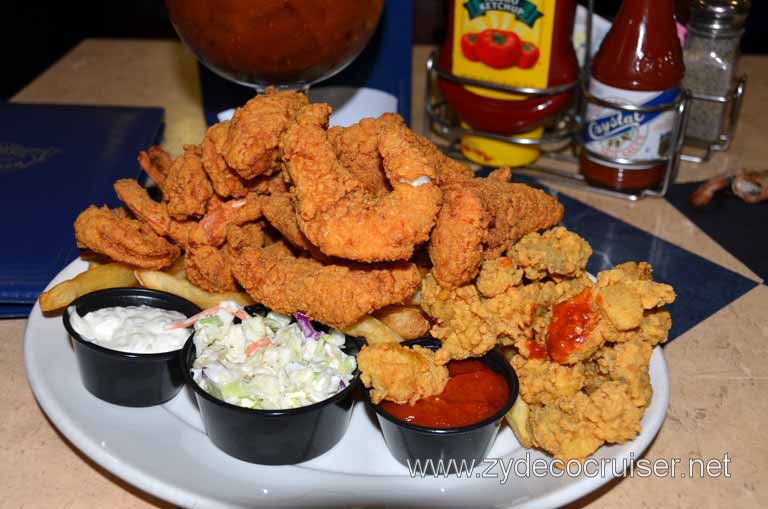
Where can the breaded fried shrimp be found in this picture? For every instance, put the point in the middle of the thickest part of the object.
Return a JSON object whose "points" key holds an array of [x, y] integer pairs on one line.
{"points": [[335, 211]]}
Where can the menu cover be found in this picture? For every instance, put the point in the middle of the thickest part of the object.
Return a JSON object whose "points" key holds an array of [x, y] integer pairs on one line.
{"points": [[56, 160]]}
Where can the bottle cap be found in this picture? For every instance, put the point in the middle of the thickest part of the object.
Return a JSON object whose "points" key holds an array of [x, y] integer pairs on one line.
{"points": [[719, 17]]}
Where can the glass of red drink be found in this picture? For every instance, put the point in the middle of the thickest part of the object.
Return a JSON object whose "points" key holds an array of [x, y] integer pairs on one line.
{"points": [[283, 43]]}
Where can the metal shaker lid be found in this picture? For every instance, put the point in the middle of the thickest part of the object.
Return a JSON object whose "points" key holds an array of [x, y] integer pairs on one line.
{"points": [[719, 17]]}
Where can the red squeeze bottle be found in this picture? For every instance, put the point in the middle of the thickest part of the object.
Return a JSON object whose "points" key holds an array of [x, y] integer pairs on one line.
{"points": [[639, 62]]}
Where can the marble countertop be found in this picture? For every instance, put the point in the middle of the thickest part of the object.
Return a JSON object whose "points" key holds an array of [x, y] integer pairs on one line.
{"points": [[718, 368]]}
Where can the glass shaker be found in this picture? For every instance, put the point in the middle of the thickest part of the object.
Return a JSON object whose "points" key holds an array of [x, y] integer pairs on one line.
{"points": [[711, 50]]}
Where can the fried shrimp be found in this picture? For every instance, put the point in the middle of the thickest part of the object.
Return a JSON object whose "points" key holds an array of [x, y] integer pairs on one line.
{"points": [[449, 171], [153, 213], [251, 147], [136, 198], [334, 294], [208, 268], [225, 181], [243, 236], [156, 163], [482, 218], [212, 229], [335, 211], [187, 188], [516, 210], [279, 211], [122, 239], [456, 246], [357, 147]]}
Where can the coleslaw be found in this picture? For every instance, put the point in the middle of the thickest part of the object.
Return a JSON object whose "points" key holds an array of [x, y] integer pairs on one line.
{"points": [[271, 362]]}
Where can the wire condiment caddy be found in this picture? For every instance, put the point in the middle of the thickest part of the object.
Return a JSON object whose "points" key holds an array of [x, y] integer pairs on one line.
{"points": [[562, 140]]}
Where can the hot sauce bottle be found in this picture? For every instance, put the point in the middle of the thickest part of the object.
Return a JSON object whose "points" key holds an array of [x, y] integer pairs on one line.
{"points": [[518, 43], [639, 62]]}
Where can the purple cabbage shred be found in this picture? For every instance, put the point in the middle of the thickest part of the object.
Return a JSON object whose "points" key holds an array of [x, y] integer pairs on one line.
{"points": [[306, 326]]}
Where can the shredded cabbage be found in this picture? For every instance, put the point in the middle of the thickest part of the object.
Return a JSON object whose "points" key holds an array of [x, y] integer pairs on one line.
{"points": [[269, 362]]}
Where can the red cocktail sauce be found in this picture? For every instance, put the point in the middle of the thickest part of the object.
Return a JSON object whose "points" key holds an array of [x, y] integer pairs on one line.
{"points": [[474, 393], [536, 350], [572, 321]]}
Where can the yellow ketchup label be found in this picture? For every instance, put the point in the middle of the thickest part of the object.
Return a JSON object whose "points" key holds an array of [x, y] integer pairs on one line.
{"points": [[507, 42]]}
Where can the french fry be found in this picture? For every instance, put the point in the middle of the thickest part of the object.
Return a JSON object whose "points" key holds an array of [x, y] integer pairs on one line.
{"points": [[517, 418], [98, 277], [165, 282], [373, 330], [407, 321]]}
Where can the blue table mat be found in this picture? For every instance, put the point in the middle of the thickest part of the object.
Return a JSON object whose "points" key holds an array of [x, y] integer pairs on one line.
{"points": [[730, 222]]}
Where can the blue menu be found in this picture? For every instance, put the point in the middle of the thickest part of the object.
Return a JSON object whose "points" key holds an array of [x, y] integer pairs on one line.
{"points": [[56, 160]]}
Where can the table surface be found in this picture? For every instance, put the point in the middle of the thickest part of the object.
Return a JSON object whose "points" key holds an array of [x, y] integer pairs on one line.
{"points": [[718, 369]]}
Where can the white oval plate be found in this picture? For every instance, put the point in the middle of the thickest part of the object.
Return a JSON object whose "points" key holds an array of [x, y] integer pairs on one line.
{"points": [[164, 451]]}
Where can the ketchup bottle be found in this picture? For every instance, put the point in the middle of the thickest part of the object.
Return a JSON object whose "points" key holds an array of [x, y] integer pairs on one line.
{"points": [[519, 43], [639, 62]]}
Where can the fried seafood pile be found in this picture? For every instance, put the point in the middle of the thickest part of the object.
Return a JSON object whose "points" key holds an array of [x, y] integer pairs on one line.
{"points": [[345, 222], [583, 355], [305, 218], [581, 349]]}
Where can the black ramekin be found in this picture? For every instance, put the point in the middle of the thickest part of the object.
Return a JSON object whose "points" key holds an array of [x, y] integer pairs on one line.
{"points": [[409, 442], [274, 437], [123, 378]]}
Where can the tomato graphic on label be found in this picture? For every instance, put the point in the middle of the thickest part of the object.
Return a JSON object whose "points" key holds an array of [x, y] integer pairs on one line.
{"points": [[498, 48], [529, 55], [470, 46]]}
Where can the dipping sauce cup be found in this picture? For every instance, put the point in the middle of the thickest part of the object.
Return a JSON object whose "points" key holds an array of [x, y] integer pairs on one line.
{"points": [[408, 442], [124, 378]]}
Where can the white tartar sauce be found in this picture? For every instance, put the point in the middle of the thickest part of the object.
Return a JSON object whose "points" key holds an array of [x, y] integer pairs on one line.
{"points": [[134, 329]]}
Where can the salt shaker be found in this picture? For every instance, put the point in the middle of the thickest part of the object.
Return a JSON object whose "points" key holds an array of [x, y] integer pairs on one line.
{"points": [[711, 50]]}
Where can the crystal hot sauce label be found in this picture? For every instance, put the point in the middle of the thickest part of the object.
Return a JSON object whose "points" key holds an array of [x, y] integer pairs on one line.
{"points": [[631, 135], [507, 42]]}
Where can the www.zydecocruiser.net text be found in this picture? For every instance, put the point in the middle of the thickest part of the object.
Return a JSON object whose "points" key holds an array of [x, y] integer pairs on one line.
{"points": [[503, 469]]}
